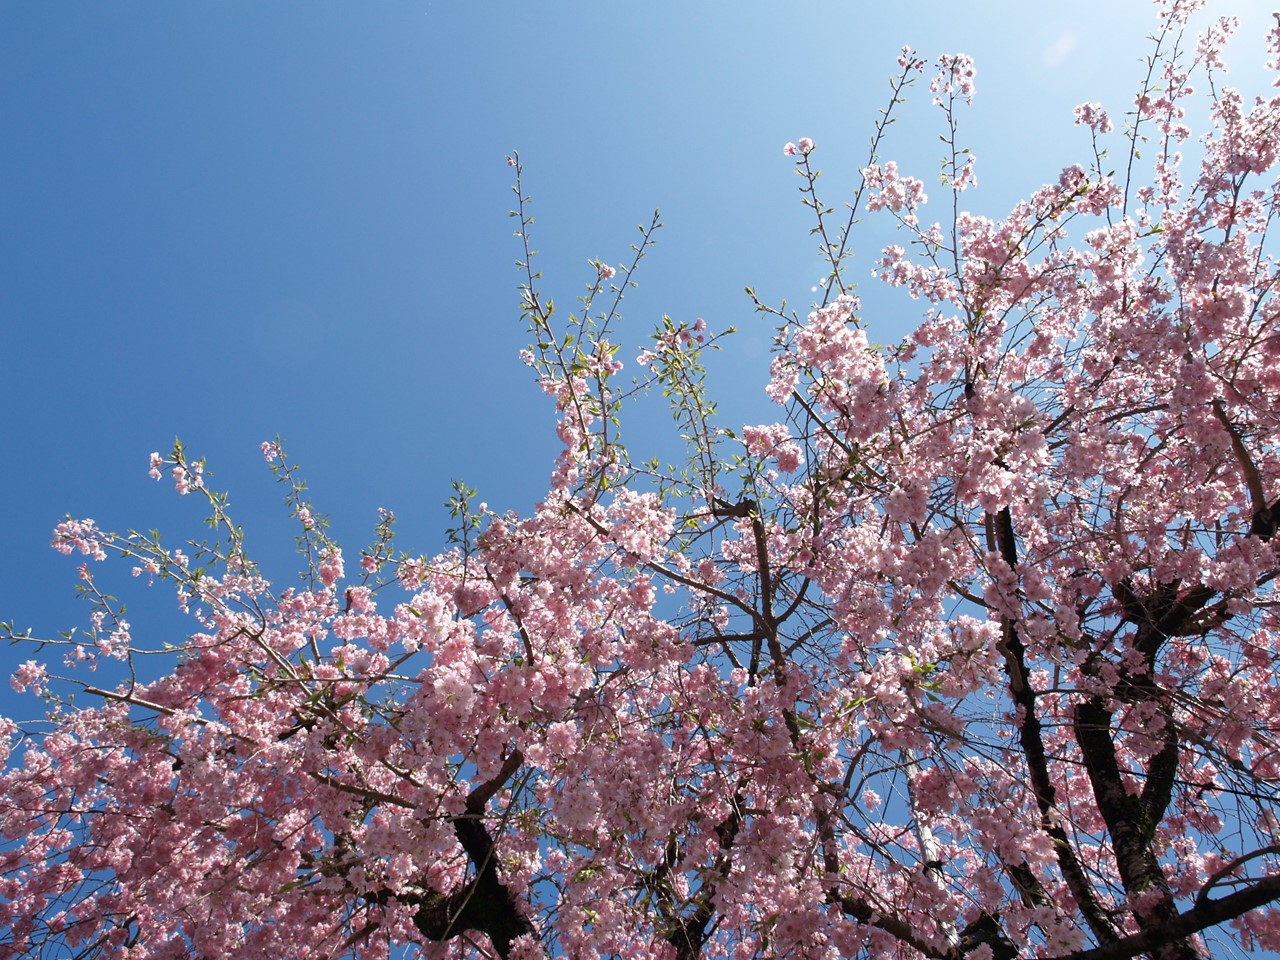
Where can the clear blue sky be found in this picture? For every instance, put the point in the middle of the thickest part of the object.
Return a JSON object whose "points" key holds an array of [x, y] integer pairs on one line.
{"points": [[224, 221]]}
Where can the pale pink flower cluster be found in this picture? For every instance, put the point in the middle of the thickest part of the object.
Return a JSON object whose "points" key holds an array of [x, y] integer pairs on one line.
{"points": [[150, 567], [908, 60], [672, 340], [331, 568], [849, 376], [774, 441], [641, 524], [1273, 48], [784, 375], [82, 535], [606, 272], [892, 191], [1093, 116], [30, 675], [803, 148], [1246, 139], [923, 280], [1177, 11], [187, 478], [1210, 44], [116, 643], [955, 77]]}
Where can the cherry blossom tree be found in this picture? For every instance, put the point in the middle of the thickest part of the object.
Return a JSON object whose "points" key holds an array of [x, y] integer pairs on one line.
{"points": [[972, 653]]}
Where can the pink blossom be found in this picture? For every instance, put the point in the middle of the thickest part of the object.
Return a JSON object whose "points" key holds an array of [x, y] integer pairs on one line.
{"points": [[1093, 116], [187, 477], [907, 60], [331, 567], [82, 535], [30, 675], [774, 441], [892, 191], [955, 78]]}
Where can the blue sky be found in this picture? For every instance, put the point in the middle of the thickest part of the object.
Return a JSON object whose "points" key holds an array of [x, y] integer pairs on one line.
{"points": [[227, 221]]}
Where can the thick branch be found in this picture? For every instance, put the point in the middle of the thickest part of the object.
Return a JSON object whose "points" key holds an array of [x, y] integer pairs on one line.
{"points": [[1032, 744], [863, 912], [1205, 914], [689, 933], [484, 903], [1132, 823]]}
